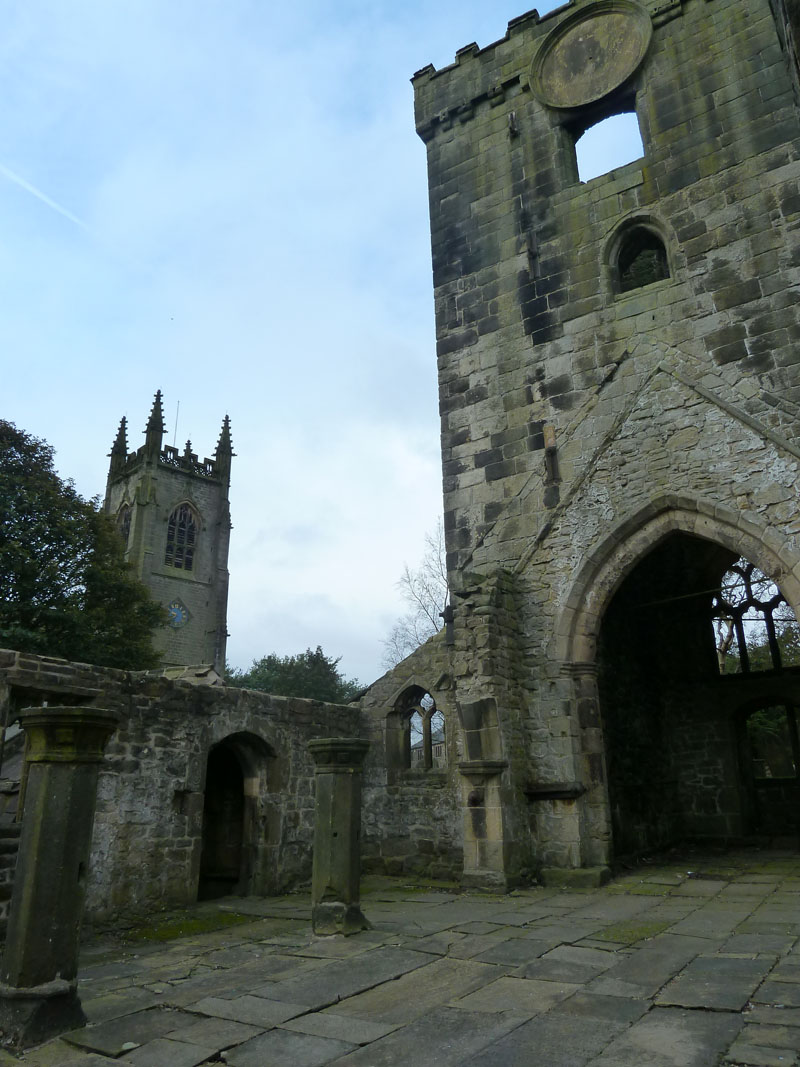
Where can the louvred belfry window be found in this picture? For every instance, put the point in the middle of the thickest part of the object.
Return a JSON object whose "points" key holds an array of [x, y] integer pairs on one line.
{"points": [[181, 538]]}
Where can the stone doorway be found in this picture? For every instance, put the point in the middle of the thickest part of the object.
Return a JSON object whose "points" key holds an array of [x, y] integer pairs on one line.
{"points": [[223, 825]]}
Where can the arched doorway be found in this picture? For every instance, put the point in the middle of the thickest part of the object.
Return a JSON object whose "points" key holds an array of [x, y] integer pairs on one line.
{"points": [[233, 835], [671, 694]]}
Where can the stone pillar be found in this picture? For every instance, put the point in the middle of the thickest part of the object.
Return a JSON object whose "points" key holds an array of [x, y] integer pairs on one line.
{"points": [[38, 987], [335, 907], [484, 837]]}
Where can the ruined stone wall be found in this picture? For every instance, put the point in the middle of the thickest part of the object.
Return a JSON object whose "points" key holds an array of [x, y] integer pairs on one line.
{"points": [[411, 817], [577, 417], [147, 836]]}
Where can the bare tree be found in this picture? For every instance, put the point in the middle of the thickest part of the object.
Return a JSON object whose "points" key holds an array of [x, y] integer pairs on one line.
{"points": [[425, 591]]}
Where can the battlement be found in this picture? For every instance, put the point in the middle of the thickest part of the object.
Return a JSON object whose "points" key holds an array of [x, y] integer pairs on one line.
{"points": [[490, 73], [187, 462]]}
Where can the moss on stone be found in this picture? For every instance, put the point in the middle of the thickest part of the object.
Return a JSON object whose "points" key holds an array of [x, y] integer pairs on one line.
{"points": [[628, 933], [186, 926]]}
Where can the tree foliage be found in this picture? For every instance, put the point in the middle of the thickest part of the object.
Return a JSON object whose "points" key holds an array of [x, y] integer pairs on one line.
{"points": [[309, 674], [65, 588], [425, 591]]}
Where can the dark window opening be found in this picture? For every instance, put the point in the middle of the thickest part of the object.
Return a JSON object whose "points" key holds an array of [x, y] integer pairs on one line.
{"points": [[754, 627], [773, 741], [642, 259], [181, 538], [610, 143], [124, 523]]}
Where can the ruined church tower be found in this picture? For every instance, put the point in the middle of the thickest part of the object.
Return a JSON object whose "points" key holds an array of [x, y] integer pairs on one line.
{"points": [[173, 513], [619, 385]]}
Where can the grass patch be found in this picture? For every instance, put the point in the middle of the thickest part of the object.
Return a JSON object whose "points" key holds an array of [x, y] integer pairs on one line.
{"points": [[628, 933], [650, 889], [170, 929]]}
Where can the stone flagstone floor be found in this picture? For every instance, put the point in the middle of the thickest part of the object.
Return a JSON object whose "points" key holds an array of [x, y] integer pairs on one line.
{"points": [[688, 963]]}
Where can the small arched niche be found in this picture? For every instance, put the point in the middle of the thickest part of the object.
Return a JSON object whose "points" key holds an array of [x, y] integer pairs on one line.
{"points": [[640, 258]]}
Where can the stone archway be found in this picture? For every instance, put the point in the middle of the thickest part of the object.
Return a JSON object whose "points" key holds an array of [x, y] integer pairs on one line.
{"points": [[656, 737], [233, 825]]}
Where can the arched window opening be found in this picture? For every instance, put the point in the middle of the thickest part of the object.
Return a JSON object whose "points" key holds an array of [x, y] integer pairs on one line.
{"points": [[124, 523], [416, 737], [773, 742], [610, 143], [641, 260], [754, 627], [181, 538]]}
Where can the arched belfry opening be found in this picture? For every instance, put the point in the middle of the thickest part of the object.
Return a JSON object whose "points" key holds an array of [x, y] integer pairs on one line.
{"points": [[233, 835], [697, 680]]}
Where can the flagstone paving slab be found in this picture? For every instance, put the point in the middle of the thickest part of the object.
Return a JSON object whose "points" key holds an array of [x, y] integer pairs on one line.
{"points": [[568, 963], [672, 1037], [341, 1027], [644, 972], [446, 1037], [219, 1033], [720, 983], [257, 1011], [597, 1006], [282, 1048], [166, 1053], [345, 978], [522, 996], [416, 993], [784, 994], [554, 1040], [515, 951], [113, 1037]]}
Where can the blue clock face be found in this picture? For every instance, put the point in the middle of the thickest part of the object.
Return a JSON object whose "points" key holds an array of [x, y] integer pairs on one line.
{"points": [[178, 614]]}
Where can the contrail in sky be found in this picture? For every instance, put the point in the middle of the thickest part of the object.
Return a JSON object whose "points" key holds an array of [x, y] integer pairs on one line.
{"points": [[15, 178]]}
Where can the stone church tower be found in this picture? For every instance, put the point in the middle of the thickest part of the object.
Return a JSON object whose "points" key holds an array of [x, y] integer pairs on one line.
{"points": [[172, 510], [619, 379]]}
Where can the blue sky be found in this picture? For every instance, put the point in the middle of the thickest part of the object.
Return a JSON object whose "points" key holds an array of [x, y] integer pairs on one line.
{"points": [[228, 201]]}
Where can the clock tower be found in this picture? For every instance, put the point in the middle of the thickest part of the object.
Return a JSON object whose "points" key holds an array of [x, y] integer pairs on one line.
{"points": [[172, 511]]}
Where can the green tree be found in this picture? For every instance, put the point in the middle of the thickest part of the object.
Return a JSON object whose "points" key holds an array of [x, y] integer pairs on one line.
{"points": [[309, 674], [65, 588]]}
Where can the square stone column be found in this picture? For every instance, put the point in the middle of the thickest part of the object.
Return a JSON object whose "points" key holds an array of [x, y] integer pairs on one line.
{"points": [[484, 830], [38, 987], [335, 907]]}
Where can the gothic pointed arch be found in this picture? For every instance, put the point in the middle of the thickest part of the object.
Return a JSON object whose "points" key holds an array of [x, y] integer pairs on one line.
{"points": [[602, 570], [183, 529]]}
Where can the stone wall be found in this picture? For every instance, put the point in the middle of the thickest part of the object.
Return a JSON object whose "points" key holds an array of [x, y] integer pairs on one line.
{"points": [[148, 828]]}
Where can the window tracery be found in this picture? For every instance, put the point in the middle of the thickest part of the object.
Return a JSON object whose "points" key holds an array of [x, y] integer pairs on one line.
{"points": [[181, 538], [755, 629], [416, 736], [124, 523]]}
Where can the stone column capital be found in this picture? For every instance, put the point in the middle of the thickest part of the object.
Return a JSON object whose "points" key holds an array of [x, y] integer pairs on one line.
{"points": [[67, 734], [334, 755]]}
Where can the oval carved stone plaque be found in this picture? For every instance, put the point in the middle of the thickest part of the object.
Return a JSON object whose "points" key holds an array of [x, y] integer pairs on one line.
{"points": [[591, 53]]}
